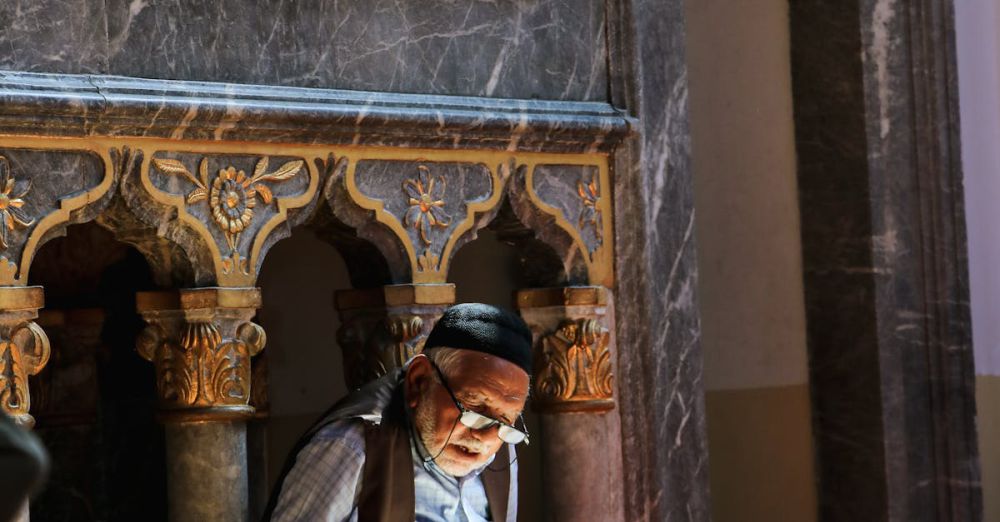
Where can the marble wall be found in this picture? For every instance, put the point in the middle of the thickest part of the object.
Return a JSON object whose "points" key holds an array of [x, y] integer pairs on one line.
{"points": [[657, 319], [552, 49], [629, 54], [884, 260]]}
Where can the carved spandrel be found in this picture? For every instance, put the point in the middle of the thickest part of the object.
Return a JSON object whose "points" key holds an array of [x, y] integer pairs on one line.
{"points": [[569, 208], [232, 201], [428, 209], [40, 193], [577, 192]]}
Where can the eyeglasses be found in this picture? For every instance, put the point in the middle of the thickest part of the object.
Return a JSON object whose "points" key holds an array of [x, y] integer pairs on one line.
{"points": [[478, 421]]}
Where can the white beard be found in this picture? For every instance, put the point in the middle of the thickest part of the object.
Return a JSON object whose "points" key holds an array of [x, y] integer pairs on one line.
{"points": [[424, 419]]}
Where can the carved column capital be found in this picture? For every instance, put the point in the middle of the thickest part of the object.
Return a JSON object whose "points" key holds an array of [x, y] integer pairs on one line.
{"points": [[24, 349], [201, 341], [574, 349], [381, 328]]}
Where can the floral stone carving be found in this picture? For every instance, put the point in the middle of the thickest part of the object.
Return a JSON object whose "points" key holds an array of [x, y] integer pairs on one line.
{"points": [[232, 197], [23, 352], [574, 368], [202, 369]]}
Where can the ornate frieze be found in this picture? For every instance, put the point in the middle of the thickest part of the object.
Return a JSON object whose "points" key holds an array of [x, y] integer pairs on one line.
{"points": [[201, 342], [24, 349], [574, 348], [206, 213]]}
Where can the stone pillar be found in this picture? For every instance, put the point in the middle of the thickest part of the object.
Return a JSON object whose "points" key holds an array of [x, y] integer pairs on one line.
{"points": [[573, 390], [383, 327], [201, 341], [24, 351]]}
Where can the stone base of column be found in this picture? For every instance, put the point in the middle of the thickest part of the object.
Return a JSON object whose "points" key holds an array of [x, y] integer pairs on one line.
{"points": [[206, 471]]}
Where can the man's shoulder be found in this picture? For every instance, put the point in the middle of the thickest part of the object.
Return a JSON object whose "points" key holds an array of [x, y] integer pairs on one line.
{"points": [[349, 433]]}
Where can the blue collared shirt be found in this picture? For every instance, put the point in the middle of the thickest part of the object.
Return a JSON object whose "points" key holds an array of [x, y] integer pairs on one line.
{"points": [[324, 483]]}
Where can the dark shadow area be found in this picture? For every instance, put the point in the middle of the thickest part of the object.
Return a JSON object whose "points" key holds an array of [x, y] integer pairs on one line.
{"points": [[95, 400], [304, 369]]}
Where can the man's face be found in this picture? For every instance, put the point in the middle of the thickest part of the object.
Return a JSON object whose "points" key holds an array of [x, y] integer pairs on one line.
{"points": [[482, 383]]}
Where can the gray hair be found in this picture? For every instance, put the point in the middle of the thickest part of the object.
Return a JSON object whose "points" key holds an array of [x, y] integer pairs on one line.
{"points": [[447, 360]]}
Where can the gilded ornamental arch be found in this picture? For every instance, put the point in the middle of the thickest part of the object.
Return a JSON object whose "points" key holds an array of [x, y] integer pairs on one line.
{"points": [[203, 185]]}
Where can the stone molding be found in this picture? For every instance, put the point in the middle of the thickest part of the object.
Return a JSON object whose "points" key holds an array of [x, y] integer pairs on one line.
{"points": [[97, 105]]}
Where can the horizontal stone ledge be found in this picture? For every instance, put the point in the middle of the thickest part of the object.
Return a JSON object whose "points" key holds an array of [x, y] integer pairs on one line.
{"points": [[95, 105]]}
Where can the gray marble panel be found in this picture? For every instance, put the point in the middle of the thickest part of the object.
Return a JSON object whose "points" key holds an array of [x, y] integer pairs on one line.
{"points": [[59, 36], [884, 266], [575, 190], [39, 179], [552, 49], [664, 441]]}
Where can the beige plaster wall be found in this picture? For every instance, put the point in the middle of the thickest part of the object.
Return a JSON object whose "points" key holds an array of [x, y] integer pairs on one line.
{"points": [[977, 25], [761, 465]]}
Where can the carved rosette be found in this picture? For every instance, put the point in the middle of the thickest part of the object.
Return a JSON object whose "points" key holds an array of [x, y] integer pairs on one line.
{"points": [[24, 349], [382, 328], [202, 350], [223, 209], [574, 356]]}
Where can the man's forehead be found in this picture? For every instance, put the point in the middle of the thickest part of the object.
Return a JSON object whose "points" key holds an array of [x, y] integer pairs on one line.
{"points": [[479, 373]]}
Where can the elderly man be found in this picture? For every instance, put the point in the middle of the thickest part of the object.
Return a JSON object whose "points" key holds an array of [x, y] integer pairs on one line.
{"points": [[432, 442]]}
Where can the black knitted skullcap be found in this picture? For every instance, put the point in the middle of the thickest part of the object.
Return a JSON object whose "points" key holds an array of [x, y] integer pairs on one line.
{"points": [[483, 328]]}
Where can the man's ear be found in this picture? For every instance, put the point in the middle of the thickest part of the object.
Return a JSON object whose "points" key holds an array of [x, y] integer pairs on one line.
{"points": [[418, 378]]}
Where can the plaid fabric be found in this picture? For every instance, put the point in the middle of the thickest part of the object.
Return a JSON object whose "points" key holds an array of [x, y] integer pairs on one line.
{"points": [[324, 482]]}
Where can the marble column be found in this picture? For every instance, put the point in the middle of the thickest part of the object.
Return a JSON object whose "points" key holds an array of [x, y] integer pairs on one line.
{"points": [[24, 351], [381, 328], [884, 260], [574, 394], [201, 341]]}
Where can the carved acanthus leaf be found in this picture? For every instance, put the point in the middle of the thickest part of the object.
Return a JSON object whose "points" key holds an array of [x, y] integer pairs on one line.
{"points": [[25, 353], [574, 366]]}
